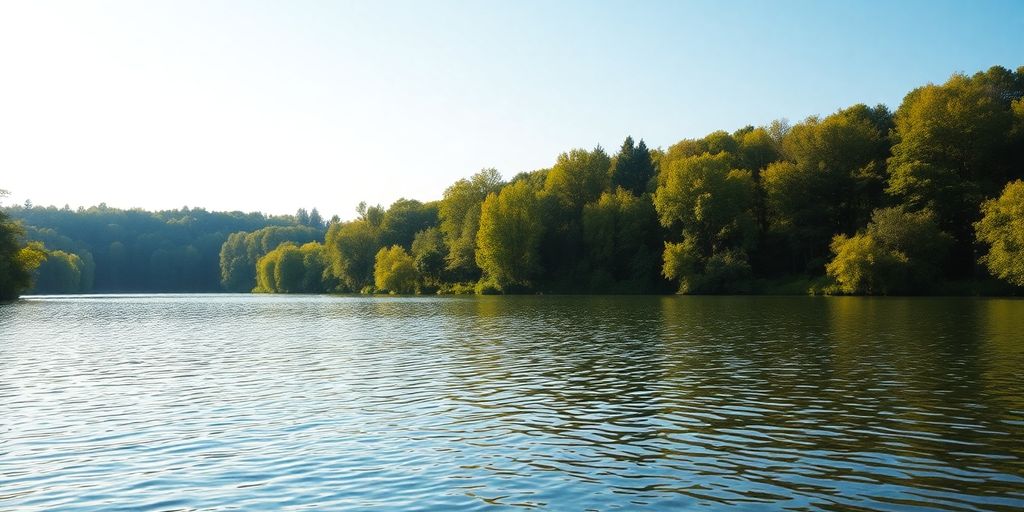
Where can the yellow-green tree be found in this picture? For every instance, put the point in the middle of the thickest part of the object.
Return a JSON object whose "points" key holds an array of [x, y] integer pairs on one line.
{"points": [[956, 144], [404, 218], [899, 252], [830, 180], [242, 250], [394, 271], [17, 261], [350, 248], [459, 214], [1002, 228], [712, 205], [293, 269], [510, 232], [578, 177], [60, 272]]}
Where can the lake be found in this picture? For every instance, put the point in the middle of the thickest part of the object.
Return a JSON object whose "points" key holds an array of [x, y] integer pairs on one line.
{"points": [[178, 402]]}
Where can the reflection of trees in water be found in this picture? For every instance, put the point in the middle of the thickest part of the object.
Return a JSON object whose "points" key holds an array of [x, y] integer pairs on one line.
{"points": [[567, 383], [743, 399], [1002, 354], [812, 392]]}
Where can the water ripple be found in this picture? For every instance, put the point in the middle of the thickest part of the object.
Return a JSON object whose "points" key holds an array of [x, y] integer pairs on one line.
{"points": [[471, 403]]}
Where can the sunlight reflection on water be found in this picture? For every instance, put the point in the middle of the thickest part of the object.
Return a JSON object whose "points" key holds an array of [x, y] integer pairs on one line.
{"points": [[569, 403]]}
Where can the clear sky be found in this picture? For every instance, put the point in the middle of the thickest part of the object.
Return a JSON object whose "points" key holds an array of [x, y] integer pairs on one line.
{"points": [[273, 106]]}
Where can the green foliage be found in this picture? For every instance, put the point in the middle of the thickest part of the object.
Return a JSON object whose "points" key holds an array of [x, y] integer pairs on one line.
{"points": [[713, 207], [831, 179], [241, 251], [578, 177], [622, 240], [350, 249], [755, 149], [508, 240], [141, 251], [16, 261], [404, 219], [289, 271], [1002, 228], [715, 143], [710, 202], [293, 269], [862, 265], [317, 276], [956, 144], [394, 271], [428, 251], [459, 214], [632, 169], [728, 212], [374, 215], [59, 273], [899, 252]]}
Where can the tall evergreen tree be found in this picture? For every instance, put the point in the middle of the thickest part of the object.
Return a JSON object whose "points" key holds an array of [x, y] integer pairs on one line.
{"points": [[632, 169]]}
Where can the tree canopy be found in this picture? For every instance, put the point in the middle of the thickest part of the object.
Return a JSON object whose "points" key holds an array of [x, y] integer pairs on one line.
{"points": [[863, 200], [1001, 228]]}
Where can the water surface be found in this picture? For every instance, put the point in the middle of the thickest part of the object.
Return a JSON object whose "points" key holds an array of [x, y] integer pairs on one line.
{"points": [[463, 403]]}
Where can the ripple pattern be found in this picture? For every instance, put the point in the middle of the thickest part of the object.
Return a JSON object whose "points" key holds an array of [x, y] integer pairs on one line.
{"points": [[227, 402]]}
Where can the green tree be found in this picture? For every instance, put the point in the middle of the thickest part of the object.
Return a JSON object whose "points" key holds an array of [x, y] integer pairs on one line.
{"points": [[622, 242], [292, 269], [17, 261], [404, 219], [632, 168], [266, 273], [459, 213], [302, 217], [374, 215], [241, 251], [713, 207], [350, 248], [831, 179], [59, 273], [755, 149], [955, 144], [1002, 228], [862, 265], [428, 253], [315, 220], [578, 177], [394, 271], [509, 236], [899, 252], [719, 142], [316, 277]]}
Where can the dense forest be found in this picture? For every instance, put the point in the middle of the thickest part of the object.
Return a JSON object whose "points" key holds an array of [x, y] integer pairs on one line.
{"points": [[926, 199], [102, 249]]}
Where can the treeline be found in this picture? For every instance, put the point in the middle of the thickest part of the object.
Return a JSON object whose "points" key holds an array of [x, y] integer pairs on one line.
{"points": [[102, 249], [864, 201]]}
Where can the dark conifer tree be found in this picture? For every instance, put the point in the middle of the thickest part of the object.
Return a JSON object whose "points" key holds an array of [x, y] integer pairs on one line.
{"points": [[632, 168]]}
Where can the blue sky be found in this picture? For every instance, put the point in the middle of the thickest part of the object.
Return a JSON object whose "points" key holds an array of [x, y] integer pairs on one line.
{"points": [[277, 105]]}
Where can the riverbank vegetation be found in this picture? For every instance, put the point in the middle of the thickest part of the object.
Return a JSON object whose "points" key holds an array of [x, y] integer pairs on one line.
{"points": [[923, 200]]}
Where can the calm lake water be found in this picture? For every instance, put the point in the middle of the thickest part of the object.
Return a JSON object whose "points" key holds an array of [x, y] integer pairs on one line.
{"points": [[461, 403]]}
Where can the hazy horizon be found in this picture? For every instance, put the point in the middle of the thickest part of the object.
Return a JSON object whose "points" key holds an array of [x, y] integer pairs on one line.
{"points": [[272, 107]]}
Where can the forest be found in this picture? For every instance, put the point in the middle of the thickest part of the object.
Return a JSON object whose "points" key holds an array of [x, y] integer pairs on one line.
{"points": [[926, 199]]}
